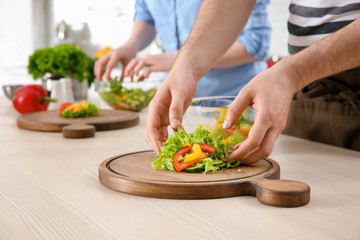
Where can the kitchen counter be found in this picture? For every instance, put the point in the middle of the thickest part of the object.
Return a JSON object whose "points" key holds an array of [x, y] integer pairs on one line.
{"points": [[49, 189]]}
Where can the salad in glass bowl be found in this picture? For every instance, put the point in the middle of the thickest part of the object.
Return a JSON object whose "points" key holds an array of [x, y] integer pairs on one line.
{"points": [[133, 96], [210, 112]]}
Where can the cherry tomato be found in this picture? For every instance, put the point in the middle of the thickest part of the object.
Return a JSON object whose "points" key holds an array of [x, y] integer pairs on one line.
{"points": [[63, 106]]}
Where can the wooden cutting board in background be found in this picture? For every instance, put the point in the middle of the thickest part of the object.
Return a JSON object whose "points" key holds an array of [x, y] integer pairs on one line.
{"points": [[132, 173], [50, 121]]}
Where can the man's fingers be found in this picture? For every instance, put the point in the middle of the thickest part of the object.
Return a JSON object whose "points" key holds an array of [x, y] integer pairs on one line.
{"points": [[176, 110], [257, 133], [263, 151], [157, 122], [235, 110], [152, 143], [164, 133]]}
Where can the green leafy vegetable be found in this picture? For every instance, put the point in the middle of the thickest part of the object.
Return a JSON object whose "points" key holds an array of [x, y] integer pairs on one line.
{"points": [[90, 111], [64, 59], [200, 136], [237, 137]]}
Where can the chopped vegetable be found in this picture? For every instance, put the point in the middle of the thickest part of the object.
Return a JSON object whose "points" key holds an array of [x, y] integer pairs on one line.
{"points": [[128, 99], [102, 52], [63, 106], [236, 134], [195, 152], [31, 98], [194, 155], [75, 110]]}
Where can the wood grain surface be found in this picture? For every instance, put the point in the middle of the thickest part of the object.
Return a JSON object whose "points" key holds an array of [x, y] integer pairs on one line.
{"points": [[132, 173], [50, 121], [78, 131], [50, 189]]}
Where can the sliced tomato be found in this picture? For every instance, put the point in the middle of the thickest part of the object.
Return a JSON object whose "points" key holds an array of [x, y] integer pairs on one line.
{"points": [[207, 148], [245, 132], [179, 166], [204, 155], [63, 106]]}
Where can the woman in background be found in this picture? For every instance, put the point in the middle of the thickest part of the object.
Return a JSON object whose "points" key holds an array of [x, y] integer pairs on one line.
{"points": [[173, 22]]}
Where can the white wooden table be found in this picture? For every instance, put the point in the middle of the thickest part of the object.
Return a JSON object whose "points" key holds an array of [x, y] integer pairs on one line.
{"points": [[49, 189]]}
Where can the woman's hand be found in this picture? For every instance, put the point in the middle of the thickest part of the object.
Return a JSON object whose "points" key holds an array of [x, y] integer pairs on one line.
{"points": [[123, 54], [153, 63]]}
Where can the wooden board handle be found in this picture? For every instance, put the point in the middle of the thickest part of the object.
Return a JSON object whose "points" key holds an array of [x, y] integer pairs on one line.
{"points": [[283, 193], [78, 131]]}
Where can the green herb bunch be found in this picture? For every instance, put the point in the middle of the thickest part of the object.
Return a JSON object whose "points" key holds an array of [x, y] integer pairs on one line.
{"points": [[64, 59]]}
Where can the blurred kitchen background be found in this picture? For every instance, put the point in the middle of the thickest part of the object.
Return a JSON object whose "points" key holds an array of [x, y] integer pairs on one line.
{"points": [[26, 25]]}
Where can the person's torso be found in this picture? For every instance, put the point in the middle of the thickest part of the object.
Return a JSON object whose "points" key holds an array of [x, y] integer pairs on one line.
{"points": [[312, 20], [174, 19]]}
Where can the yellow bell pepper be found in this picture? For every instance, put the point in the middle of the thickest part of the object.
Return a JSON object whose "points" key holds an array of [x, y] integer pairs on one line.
{"points": [[74, 107], [196, 154], [222, 116], [124, 98], [83, 104], [102, 52]]}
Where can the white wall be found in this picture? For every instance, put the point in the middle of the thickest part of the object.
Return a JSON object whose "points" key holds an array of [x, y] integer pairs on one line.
{"points": [[278, 15], [109, 23], [94, 23], [16, 41]]}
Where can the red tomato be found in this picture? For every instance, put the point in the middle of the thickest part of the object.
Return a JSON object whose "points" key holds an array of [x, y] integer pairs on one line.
{"points": [[245, 132], [179, 166], [207, 148], [63, 106]]}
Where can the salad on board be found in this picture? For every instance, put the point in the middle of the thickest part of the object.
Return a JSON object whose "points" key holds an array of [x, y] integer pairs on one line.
{"points": [[76, 110], [119, 97], [206, 149], [194, 152]]}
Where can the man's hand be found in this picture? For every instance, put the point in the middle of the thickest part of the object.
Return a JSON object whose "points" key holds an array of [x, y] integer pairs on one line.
{"points": [[169, 105], [123, 54], [270, 94], [153, 63], [214, 24]]}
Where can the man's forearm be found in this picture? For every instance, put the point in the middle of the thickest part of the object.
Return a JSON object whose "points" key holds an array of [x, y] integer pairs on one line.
{"points": [[142, 34], [216, 28], [338, 52]]}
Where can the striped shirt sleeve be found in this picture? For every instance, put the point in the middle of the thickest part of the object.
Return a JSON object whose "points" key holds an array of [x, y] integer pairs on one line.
{"points": [[312, 20]]}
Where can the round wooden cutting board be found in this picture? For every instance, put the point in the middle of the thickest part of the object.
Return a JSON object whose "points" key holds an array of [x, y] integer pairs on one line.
{"points": [[132, 173], [50, 121]]}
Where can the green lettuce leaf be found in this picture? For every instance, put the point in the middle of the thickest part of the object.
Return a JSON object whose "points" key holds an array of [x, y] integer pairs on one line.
{"points": [[177, 140], [90, 111]]}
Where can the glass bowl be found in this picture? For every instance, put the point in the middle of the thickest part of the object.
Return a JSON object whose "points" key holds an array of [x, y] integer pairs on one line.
{"points": [[210, 112], [126, 95]]}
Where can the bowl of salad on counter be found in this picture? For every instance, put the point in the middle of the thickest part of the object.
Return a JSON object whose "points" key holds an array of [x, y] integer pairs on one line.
{"points": [[210, 112], [126, 95]]}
